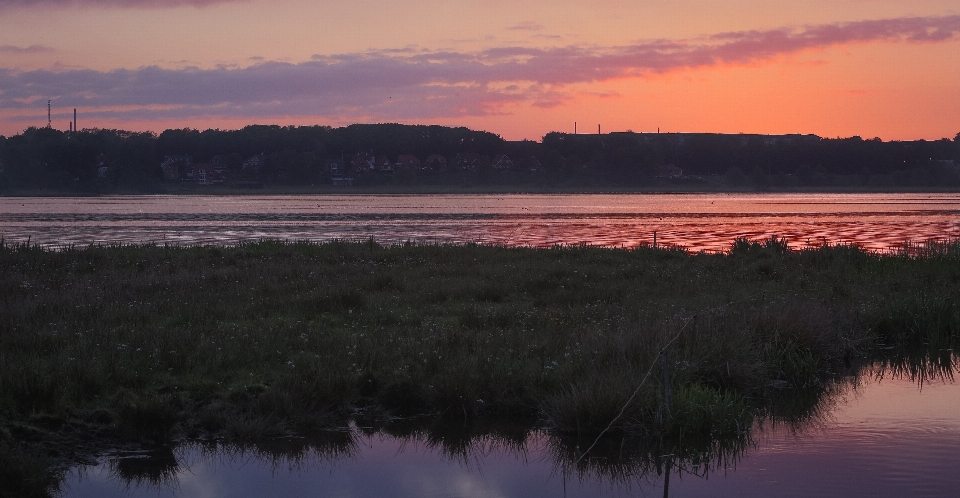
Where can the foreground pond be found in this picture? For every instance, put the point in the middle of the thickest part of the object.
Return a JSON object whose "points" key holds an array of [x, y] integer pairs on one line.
{"points": [[877, 436]]}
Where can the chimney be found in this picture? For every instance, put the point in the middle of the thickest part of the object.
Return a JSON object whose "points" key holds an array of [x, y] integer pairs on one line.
{"points": [[74, 119]]}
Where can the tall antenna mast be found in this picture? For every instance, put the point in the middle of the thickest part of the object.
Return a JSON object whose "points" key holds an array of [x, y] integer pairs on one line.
{"points": [[48, 114]]}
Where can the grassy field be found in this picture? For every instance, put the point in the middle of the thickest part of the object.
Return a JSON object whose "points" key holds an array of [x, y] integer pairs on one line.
{"points": [[145, 345]]}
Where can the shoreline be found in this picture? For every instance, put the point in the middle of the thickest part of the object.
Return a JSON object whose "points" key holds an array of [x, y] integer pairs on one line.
{"points": [[217, 190]]}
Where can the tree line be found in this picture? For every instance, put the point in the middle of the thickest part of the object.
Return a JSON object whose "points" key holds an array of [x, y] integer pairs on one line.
{"points": [[104, 160]]}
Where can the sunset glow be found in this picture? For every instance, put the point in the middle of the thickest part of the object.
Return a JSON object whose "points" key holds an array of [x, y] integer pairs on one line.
{"points": [[520, 69]]}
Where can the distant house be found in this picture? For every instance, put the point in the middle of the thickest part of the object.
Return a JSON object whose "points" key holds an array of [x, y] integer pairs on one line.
{"points": [[362, 162], [501, 163], [336, 167], [254, 163], [208, 174], [177, 167], [342, 180], [251, 173], [218, 169], [435, 162], [384, 165], [531, 164], [102, 166], [467, 161], [200, 171], [219, 162], [408, 162]]}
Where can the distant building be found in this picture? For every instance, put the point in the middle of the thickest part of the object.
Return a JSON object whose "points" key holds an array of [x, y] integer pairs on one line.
{"points": [[251, 174], [208, 173], [336, 167], [531, 164], [384, 165], [102, 166], [408, 162], [219, 161], [254, 163], [467, 161], [501, 163], [435, 162], [362, 162], [177, 167], [200, 171]]}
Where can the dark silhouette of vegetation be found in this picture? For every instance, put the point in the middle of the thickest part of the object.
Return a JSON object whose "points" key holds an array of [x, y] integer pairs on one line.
{"points": [[98, 160], [149, 344]]}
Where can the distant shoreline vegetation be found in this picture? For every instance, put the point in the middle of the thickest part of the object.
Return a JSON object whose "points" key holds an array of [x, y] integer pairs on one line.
{"points": [[381, 157], [133, 346]]}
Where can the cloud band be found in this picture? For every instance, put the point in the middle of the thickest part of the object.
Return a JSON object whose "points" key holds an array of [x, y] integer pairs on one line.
{"points": [[410, 84]]}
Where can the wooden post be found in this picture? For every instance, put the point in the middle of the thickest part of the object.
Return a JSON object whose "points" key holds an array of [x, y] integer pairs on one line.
{"points": [[666, 479], [667, 395]]}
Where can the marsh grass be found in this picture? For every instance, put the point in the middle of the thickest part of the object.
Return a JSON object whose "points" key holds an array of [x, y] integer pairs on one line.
{"points": [[156, 468], [153, 343]]}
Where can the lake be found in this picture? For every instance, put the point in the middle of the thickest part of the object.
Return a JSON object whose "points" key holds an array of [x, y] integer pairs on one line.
{"points": [[875, 436], [694, 221]]}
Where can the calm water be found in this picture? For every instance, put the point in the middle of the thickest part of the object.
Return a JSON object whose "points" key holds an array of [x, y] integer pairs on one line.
{"points": [[887, 438], [695, 221]]}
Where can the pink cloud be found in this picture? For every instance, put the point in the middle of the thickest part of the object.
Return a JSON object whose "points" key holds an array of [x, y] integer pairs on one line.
{"points": [[414, 83], [526, 26]]}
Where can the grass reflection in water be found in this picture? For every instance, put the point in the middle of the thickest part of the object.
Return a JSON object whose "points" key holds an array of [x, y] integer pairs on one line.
{"points": [[621, 462]]}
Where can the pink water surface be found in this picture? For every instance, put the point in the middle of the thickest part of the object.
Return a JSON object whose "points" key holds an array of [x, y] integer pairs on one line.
{"points": [[694, 221]]}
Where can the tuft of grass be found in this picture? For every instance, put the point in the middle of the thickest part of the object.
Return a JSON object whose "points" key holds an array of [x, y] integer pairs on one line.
{"points": [[588, 406], [763, 248], [702, 412]]}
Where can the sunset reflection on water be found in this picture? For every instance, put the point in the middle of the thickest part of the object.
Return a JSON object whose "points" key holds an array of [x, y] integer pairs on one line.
{"points": [[695, 222]]}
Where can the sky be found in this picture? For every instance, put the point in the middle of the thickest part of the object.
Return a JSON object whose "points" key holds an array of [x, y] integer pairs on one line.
{"points": [[518, 68]]}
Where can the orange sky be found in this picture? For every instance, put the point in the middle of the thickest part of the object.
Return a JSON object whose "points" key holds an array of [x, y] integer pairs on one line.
{"points": [[517, 68]]}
